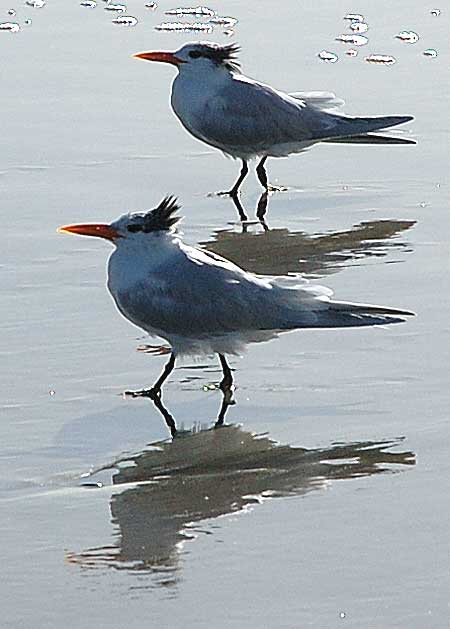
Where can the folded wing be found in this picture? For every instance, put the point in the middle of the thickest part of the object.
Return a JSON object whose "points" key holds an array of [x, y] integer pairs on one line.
{"points": [[200, 295]]}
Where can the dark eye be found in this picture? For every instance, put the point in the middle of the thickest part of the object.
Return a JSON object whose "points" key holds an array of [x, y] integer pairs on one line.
{"points": [[134, 228], [195, 54]]}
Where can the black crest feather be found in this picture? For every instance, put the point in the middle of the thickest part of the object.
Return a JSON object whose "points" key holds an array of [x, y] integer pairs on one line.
{"points": [[160, 219], [224, 55]]}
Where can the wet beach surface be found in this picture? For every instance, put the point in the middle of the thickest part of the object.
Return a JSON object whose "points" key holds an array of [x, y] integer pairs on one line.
{"points": [[324, 501]]}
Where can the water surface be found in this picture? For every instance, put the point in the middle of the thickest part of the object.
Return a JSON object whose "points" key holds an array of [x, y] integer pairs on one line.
{"points": [[345, 522]]}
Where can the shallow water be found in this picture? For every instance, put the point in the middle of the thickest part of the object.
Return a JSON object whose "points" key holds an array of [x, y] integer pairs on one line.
{"points": [[224, 527]]}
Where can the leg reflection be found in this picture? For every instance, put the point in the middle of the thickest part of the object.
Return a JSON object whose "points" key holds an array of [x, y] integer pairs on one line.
{"points": [[226, 386], [238, 205], [261, 209], [165, 413]]}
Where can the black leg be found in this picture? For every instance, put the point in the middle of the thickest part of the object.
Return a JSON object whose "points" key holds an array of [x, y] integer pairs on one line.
{"points": [[235, 189], [226, 387], [165, 374], [156, 388], [262, 174], [227, 380]]}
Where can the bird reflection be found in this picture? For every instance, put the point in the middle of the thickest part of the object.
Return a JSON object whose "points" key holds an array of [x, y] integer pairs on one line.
{"points": [[281, 251], [177, 485]]}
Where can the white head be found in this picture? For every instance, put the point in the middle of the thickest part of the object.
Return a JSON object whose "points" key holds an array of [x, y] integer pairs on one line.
{"points": [[197, 57], [130, 229]]}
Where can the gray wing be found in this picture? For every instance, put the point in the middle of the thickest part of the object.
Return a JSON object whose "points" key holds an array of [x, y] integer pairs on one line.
{"points": [[247, 113], [250, 114], [202, 294], [199, 294]]}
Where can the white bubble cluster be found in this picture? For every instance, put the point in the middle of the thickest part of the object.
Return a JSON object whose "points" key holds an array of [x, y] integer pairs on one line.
{"points": [[354, 17], [125, 20], [409, 37], [380, 59], [326, 55], [200, 11], [354, 40], [359, 27], [185, 27], [11, 27]]}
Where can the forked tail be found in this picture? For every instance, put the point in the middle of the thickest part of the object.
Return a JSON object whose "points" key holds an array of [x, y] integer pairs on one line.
{"points": [[342, 127], [369, 138], [347, 314]]}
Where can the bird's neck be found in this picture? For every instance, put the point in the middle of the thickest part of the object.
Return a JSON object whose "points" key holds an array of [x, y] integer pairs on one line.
{"points": [[192, 89], [136, 259]]}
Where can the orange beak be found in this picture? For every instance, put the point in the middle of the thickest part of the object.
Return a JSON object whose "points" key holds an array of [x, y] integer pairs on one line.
{"points": [[164, 57], [101, 230]]}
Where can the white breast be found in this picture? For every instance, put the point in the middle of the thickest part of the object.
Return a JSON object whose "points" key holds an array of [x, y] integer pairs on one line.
{"points": [[196, 99]]}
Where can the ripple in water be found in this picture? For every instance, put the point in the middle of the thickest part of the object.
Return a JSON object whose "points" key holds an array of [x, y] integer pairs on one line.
{"points": [[326, 55], [409, 37], [125, 20], [354, 40], [386, 60], [10, 27]]}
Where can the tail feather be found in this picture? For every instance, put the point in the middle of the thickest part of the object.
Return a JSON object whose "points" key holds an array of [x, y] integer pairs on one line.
{"points": [[346, 126], [341, 314], [369, 309], [383, 122], [346, 314], [367, 138], [377, 122]]}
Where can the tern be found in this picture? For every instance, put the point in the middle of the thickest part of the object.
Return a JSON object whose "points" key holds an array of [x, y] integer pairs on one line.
{"points": [[247, 119], [203, 304]]}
